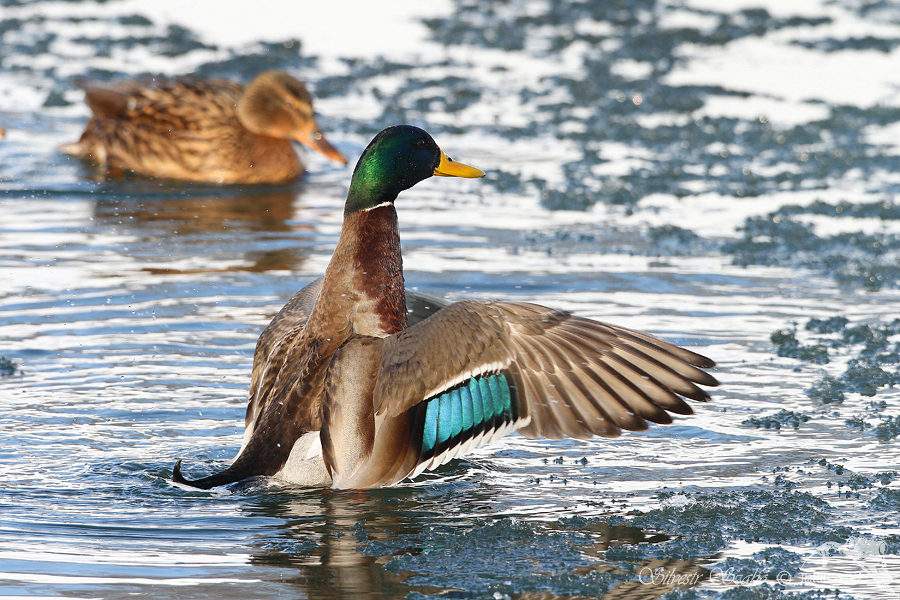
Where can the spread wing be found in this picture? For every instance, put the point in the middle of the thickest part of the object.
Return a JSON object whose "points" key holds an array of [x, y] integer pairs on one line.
{"points": [[477, 370]]}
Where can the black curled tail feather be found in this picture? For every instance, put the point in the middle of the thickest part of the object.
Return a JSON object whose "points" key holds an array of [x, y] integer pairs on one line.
{"points": [[229, 475]]}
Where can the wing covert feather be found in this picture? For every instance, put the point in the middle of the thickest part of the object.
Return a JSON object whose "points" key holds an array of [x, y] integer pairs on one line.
{"points": [[269, 356]]}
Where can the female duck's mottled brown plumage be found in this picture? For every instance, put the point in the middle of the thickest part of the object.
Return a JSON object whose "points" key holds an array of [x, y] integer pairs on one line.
{"points": [[349, 392], [207, 130]]}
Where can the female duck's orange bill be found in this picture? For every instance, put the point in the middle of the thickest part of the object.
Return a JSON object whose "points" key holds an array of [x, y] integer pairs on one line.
{"points": [[451, 168], [315, 140]]}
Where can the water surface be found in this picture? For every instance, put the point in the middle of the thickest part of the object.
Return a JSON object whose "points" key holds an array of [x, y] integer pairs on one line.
{"points": [[713, 176]]}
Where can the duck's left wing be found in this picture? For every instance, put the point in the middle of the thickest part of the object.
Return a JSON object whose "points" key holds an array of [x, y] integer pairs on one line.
{"points": [[476, 370], [294, 315], [269, 355]]}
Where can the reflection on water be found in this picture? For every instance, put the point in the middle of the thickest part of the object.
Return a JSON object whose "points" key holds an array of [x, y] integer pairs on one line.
{"points": [[190, 215], [256, 220], [321, 541], [357, 544]]}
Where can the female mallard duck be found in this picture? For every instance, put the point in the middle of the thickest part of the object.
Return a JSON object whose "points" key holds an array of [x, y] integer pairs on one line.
{"points": [[208, 130], [346, 393]]}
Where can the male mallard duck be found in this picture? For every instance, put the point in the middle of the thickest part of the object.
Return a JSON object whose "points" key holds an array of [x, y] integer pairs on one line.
{"points": [[346, 393], [208, 130]]}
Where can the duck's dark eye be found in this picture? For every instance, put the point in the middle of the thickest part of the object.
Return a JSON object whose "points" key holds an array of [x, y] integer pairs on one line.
{"points": [[421, 144]]}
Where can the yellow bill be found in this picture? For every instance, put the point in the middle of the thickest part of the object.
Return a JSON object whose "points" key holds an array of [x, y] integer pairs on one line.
{"points": [[451, 168]]}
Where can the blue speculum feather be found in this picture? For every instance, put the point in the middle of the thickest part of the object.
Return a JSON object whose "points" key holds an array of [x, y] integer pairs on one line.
{"points": [[444, 418], [429, 433], [468, 422], [486, 398], [478, 414], [472, 407], [456, 420], [497, 395], [506, 398]]}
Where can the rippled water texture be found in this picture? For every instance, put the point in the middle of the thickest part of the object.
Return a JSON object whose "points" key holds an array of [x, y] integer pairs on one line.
{"points": [[722, 177]]}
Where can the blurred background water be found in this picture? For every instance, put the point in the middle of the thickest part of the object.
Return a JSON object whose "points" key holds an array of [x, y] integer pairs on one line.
{"points": [[718, 173]]}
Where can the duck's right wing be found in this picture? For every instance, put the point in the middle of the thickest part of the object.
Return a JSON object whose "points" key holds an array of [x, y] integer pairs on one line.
{"points": [[477, 370]]}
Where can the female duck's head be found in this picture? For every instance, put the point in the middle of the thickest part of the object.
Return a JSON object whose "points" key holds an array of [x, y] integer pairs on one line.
{"points": [[278, 105], [397, 159]]}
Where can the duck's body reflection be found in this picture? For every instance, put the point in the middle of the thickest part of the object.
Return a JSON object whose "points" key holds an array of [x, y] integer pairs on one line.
{"points": [[258, 220], [342, 544]]}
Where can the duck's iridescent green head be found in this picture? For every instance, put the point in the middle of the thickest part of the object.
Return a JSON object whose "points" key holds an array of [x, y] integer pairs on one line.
{"points": [[397, 159]]}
